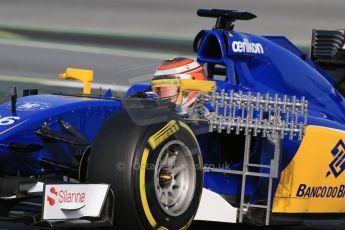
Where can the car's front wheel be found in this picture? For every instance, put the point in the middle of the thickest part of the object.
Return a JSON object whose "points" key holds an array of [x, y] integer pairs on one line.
{"points": [[154, 169]]}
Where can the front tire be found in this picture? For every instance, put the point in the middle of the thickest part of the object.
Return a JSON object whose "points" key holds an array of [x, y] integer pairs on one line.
{"points": [[154, 167]]}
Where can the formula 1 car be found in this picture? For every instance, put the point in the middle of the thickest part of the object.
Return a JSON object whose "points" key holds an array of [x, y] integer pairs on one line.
{"points": [[269, 150]]}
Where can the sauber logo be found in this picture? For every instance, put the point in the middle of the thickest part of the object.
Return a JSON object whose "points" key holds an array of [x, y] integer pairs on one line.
{"points": [[247, 47], [29, 106], [64, 197], [337, 166]]}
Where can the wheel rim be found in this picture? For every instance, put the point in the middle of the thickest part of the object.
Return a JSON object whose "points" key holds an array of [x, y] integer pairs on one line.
{"points": [[175, 178]]}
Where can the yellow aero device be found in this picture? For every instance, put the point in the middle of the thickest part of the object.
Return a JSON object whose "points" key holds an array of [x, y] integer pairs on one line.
{"points": [[83, 75], [189, 85], [197, 85], [186, 84]]}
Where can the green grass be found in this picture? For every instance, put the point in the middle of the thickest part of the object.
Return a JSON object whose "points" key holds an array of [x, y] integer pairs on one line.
{"points": [[22, 29], [94, 31], [10, 35]]}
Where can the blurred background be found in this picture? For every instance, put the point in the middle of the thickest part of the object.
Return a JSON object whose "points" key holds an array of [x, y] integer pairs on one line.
{"points": [[292, 18], [124, 40]]}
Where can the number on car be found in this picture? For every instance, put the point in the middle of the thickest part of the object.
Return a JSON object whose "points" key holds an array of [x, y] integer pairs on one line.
{"points": [[8, 120]]}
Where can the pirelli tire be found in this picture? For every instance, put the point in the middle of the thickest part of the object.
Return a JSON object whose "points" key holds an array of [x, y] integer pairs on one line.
{"points": [[153, 163]]}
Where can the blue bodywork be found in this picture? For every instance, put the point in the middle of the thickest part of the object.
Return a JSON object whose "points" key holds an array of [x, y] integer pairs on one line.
{"points": [[267, 64], [85, 114], [278, 68]]}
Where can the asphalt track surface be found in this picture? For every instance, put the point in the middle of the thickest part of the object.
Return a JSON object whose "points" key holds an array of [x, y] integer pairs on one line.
{"points": [[292, 18]]}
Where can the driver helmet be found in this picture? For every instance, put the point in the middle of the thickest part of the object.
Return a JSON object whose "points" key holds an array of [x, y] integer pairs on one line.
{"points": [[165, 82]]}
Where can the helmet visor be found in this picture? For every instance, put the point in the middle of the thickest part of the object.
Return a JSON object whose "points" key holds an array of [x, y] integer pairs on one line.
{"points": [[167, 92]]}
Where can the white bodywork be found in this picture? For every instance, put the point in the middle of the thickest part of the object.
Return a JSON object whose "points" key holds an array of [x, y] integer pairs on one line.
{"points": [[72, 201], [213, 207]]}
